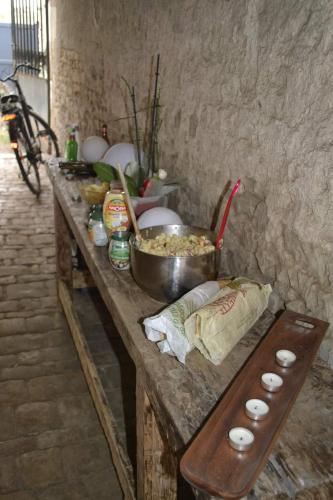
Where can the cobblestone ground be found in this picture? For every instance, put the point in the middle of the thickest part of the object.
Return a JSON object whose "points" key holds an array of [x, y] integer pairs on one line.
{"points": [[51, 444]]}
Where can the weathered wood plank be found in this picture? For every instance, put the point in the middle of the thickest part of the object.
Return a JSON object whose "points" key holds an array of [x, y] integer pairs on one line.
{"points": [[123, 467], [82, 279], [156, 466], [63, 245]]}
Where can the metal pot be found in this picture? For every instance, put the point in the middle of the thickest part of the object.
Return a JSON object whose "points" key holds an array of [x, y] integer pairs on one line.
{"points": [[167, 278]]}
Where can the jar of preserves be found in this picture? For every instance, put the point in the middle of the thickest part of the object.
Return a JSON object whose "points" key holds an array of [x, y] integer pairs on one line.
{"points": [[119, 250]]}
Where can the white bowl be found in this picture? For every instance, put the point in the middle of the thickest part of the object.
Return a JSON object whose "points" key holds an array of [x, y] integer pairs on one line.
{"points": [[158, 216], [121, 154], [93, 148]]}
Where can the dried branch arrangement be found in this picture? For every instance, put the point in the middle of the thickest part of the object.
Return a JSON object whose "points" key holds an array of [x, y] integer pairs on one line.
{"points": [[155, 123]]}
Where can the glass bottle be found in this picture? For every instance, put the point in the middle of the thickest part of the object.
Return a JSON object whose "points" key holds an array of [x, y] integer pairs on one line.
{"points": [[104, 132], [76, 130], [96, 229], [71, 147]]}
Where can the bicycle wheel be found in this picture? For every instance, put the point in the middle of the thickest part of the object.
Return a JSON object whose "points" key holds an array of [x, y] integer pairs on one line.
{"points": [[45, 138], [26, 161]]}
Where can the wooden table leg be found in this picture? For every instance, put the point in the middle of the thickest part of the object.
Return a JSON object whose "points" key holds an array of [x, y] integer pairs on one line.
{"points": [[63, 240], [156, 465]]}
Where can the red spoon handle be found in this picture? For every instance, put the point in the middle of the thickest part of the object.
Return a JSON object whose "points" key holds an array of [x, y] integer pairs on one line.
{"points": [[226, 214]]}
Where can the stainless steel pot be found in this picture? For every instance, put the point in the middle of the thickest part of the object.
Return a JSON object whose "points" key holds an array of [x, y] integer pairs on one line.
{"points": [[167, 278]]}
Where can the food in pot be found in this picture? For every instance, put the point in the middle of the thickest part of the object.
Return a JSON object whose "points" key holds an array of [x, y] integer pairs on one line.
{"points": [[172, 245]]}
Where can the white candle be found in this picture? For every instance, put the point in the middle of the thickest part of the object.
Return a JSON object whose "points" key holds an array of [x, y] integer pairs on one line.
{"points": [[256, 409], [240, 438], [271, 382], [285, 358]]}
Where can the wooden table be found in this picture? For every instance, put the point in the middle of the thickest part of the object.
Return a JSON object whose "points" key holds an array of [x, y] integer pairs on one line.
{"points": [[172, 400]]}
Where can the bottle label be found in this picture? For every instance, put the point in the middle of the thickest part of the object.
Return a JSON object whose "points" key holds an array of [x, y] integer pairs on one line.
{"points": [[119, 254], [115, 214], [71, 150], [90, 229], [99, 236]]}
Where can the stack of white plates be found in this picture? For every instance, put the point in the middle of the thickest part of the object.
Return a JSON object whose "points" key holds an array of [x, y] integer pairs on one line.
{"points": [[121, 154]]}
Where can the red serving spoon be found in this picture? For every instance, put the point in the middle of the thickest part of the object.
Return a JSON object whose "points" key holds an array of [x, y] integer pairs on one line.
{"points": [[218, 243]]}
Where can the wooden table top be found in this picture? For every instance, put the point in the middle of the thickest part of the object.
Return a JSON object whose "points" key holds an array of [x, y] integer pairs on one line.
{"points": [[183, 396]]}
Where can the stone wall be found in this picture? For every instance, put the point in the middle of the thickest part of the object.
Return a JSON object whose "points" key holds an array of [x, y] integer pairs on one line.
{"points": [[246, 89]]}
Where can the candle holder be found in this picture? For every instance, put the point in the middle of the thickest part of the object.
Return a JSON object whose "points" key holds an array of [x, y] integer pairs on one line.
{"points": [[211, 462], [285, 358], [271, 382], [240, 438], [256, 409]]}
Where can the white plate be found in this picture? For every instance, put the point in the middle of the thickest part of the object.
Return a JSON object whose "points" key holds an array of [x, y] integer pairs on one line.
{"points": [[93, 148], [158, 216], [121, 154]]}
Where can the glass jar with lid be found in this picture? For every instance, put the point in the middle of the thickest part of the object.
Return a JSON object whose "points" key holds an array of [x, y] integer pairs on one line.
{"points": [[119, 250]]}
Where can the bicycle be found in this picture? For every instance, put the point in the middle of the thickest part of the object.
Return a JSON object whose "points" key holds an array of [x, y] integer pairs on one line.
{"points": [[31, 138]]}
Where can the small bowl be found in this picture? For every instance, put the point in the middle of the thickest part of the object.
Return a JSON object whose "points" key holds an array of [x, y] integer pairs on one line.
{"points": [[168, 278]]}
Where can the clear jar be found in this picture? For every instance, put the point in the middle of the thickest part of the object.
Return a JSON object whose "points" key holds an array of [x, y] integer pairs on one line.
{"points": [[119, 250], [96, 229]]}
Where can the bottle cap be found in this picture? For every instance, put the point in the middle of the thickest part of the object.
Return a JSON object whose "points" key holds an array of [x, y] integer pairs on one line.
{"points": [[116, 186], [120, 235]]}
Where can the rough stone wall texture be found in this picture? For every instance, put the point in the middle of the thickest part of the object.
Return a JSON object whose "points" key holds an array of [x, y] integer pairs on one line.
{"points": [[246, 87]]}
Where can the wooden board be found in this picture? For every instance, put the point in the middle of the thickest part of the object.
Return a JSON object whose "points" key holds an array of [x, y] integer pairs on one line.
{"points": [[156, 466], [210, 463], [82, 279], [120, 459], [63, 245]]}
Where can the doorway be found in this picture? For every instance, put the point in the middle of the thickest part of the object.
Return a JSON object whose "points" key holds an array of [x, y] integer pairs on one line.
{"points": [[30, 42]]}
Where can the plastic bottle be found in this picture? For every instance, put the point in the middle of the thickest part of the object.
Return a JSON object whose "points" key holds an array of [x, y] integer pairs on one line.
{"points": [[71, 147], [115, 214]]}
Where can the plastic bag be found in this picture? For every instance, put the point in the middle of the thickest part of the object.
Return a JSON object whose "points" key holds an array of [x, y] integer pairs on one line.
{"points": [[217, 327], [168, 326]]}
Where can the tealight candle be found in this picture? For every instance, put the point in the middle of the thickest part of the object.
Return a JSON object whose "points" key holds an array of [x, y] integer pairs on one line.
{"points": [[240, 438], [285, 358], [271, 382], [256, 409]]}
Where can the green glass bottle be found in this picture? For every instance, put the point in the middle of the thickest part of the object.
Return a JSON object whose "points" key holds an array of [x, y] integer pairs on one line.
{"points": [[71, 147]]}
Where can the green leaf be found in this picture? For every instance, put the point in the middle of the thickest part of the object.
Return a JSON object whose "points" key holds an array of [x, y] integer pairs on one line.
{"points": [[105, 172], [131, 186]]}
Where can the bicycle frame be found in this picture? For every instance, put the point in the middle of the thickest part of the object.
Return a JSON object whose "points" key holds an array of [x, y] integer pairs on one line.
{"points": [[24, 107], [20, 115], [27, 131], [20, 118]]}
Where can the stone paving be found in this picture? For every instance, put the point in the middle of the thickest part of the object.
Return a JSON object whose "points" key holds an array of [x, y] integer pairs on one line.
{"points": [[52, 446]]}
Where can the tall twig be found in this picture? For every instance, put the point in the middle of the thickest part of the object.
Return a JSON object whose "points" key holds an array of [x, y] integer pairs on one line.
{"points": [[156, 134], [151, 158], [137, 139], [147, 108], [136, 128]]}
